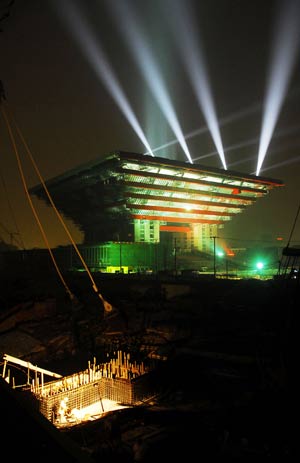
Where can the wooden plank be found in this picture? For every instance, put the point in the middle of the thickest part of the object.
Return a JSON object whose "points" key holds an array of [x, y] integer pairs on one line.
{"points": [[10, 358]]}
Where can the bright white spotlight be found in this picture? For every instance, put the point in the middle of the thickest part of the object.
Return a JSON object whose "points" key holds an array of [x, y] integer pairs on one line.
{"points": [[295, 159], [252, 141], [284, 53], [94, 53], [184, 31], [224, 121], [146, 62]]}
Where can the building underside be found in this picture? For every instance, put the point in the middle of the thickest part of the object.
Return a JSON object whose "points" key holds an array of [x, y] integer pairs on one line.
{"points": [[131, 197]]}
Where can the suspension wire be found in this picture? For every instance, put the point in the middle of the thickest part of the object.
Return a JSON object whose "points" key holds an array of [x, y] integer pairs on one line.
{"points": [[31, 204], [18, 241], [107, 305]]}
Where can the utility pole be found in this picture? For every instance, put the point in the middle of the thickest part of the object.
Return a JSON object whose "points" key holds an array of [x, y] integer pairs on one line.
{"points": [[175, 257], [215, 271]]}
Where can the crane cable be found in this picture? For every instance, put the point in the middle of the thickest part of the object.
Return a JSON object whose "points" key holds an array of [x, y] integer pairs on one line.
{"points": [[31, 204], [107, 306]]}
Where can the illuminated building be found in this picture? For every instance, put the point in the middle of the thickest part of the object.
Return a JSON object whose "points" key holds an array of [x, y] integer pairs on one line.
{"points": [[130, 197]]}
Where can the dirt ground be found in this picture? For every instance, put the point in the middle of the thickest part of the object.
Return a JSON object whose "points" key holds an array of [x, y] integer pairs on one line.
{"points": [[225, 352]]}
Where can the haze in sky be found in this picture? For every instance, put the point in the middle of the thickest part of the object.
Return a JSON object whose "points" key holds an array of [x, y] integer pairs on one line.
{"points": [[68, 115]]}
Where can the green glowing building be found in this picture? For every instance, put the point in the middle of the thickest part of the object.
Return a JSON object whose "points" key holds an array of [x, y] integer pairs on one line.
{"points": [[136, 198]]}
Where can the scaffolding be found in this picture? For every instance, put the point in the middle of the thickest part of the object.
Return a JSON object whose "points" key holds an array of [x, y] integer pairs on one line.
{"points": [[119, 380], [290, 263]]}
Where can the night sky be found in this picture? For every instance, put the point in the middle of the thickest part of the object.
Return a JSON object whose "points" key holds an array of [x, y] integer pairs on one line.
{"points": [[68, 117]]}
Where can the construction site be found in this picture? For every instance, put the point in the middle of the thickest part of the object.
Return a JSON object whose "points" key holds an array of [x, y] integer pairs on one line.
{"points": [[176, 344], [81, 396], [220, 353], [161, 321]]}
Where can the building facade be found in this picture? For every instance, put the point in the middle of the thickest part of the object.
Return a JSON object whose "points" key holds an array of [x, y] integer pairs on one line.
{"points": [[130, 197]]}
